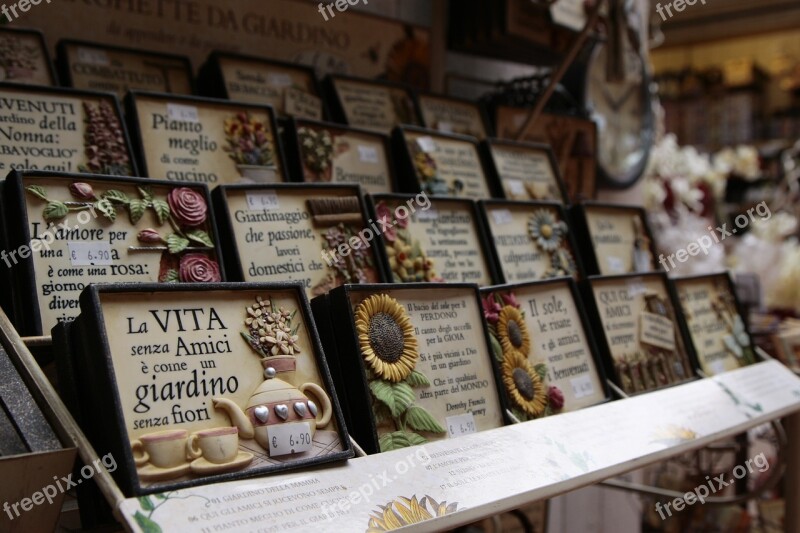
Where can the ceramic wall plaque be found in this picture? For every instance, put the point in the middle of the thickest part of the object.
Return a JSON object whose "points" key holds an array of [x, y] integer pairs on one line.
{"points": [[200, 140], [200, 385], [639, 330], [297, 232], [532, 240], [617, 239], [524, 171], [290, 89], [415, 363], [714, 322], [62, 130], [451, 115], [332, 153], [100, 67], [573, 140], [71, 230], [24, 58], [371, 105], [440, 164], [434, 240], [544, 347]]}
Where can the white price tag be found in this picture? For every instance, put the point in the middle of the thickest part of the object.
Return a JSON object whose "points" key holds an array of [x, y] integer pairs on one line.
{"points": [[426, 144], [279, 79], [502, 217], [460, 425], [286, 439], [183, 113], [262, 200], [615, 265], [445, 127], [516, 187], [92, 56], [582, 387], [717, 367], [428, 214], [367, 154], [90, 253]]}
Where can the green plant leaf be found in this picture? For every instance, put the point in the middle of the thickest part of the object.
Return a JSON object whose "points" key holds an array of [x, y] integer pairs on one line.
{"points": [[37, 191], [541, 369], [116, 196], [170, 276], [146, 524], [106, 208], [146, 503], [146, 192], [381, 413], [399, 439], [162, 210], [176, 244], [55, 211], [396, 396], [201, 237], [497, 350], [136, 209], [421, 420], [417, 379]]}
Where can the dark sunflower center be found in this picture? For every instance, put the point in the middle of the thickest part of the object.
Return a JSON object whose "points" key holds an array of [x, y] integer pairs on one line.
{"points": [[386, 337], [524, 383], [514, 334]]}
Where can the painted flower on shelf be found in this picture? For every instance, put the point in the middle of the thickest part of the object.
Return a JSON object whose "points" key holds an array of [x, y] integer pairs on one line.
{"points": [[317, 151], [546, 231], [386, 337], [555, 398], [249, 141], [149, 236], [524, 385], [384, 213], [513, 332], [199, 268], [269, 329], [491, 309], [82, 191], [104, 141], [187, 206], [405, 512], [561, 264]]}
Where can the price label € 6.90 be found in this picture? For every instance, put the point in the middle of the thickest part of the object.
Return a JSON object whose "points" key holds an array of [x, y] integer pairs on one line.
{"points": [[286, 439], [460, 425]]}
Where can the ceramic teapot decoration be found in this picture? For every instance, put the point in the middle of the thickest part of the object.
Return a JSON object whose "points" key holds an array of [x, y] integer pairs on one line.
{"points": [[275, 401]]}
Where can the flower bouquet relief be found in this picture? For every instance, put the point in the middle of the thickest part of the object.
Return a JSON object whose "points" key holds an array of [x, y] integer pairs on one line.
{"points": [[17, 61], [524, 382], [104, 142], [391, 353], [187, 249], [317, 153], [549, 235], [408, 261], [251, 145]]}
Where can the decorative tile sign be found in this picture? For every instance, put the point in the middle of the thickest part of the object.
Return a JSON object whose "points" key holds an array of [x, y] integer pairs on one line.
{"points": [[200, 140], [24, 58], [542, 342], [372, 105], [451, 115], [297, 232], [525, 171], [62, 130]]}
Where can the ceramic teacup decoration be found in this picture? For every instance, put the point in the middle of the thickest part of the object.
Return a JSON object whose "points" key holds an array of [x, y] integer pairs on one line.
{"points": [[206, 383]]}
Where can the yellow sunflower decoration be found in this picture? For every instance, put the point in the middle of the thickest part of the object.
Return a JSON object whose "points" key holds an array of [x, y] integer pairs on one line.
{"points": [[524, 384], [386, 337], [512, 332], [404, 512]]}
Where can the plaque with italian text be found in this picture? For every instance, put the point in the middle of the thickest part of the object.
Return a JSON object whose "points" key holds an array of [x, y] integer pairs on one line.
{"points": [[525, 171], [532, 240], [202, 140], [544, 348], [451, 115], [441, 165], [616, 239], [332, 153], [371, 105], [415, 362], [290, 89], [69, 230], [99, 67], [24, 58], [715, 323], [195, 385], [62, 130], [316, 234], [431, 240], [638, 328]]}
